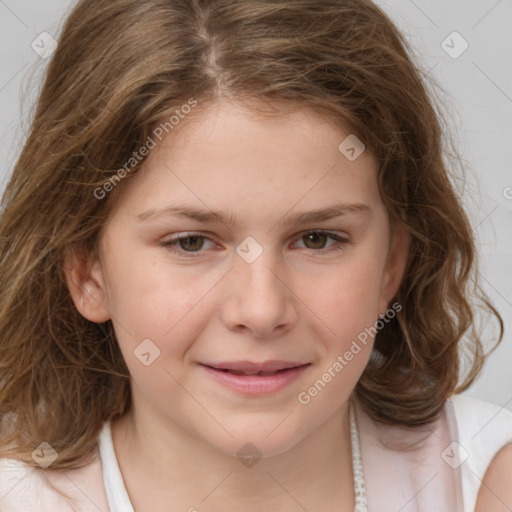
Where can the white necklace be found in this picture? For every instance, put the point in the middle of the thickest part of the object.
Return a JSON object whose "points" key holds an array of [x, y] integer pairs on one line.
{"points": [[357, 464]]}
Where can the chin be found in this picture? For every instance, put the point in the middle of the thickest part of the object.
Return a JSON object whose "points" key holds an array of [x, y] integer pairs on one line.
{"points": [[255, 443]]}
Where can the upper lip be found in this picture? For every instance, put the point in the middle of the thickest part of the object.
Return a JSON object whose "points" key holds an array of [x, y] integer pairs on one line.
{"points": [[251, 366]]}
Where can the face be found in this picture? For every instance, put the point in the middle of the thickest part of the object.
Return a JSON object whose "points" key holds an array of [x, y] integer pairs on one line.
{"points": [[200, 302]]}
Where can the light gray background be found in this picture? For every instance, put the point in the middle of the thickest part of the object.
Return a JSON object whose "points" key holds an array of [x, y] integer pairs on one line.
{"points": [[477, 92]]}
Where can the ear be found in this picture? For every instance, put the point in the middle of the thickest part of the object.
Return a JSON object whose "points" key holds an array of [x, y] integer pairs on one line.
{"points": [[86, 284], [395, 266]]}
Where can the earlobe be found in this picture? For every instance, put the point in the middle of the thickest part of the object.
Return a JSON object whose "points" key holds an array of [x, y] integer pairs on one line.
{"points": [[84, 278], [396, 265]]}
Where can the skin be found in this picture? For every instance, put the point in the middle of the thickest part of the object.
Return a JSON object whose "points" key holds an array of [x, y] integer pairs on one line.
{"points": [[496, 492], [182, 434]]}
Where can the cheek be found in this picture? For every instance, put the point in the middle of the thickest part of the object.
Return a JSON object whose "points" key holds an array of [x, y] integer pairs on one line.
{"points": [[148, 293], [157, 325], [346, 298], [166, 306], [347, 305]]}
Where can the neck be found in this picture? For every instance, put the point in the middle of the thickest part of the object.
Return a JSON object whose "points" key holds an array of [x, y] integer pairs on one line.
{"points": [[154, 453]]}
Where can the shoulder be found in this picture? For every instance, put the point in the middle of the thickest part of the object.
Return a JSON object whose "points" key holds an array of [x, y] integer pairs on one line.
{"points": [[20, 485], [484, 438], [469, 404], [481, 425], [23, 487], [496, 490]]}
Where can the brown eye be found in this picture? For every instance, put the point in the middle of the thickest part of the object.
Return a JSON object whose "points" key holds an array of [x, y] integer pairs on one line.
{"points": [[316, 239], [191, 243]]}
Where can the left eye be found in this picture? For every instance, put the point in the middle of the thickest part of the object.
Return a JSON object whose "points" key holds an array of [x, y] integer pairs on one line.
{"points": [[193, 243], [319, 237], [188, 243]]}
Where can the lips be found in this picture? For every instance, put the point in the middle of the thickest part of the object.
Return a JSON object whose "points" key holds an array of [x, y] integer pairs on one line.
{"points": [[253, 378], [254, 368], [237, 372]]}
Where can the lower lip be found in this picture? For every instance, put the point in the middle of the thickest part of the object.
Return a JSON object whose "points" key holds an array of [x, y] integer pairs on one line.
{"points": [[255, 384]]}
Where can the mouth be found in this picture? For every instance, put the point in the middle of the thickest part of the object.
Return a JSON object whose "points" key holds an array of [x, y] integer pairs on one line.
{"points": [[255, 368], [254, 378], [238, 372]]}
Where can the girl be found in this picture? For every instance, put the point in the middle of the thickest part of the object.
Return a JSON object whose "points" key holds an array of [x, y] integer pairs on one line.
{"points": [[235, 274]]}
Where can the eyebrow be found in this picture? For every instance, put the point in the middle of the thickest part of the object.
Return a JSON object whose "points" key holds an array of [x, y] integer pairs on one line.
{"points": [[211, 216]]}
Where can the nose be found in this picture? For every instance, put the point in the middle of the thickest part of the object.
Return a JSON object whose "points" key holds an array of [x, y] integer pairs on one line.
{"points": [[259, 298]]}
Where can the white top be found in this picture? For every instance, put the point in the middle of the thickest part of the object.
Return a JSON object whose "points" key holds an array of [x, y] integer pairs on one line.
{"points": [[443, 472]]}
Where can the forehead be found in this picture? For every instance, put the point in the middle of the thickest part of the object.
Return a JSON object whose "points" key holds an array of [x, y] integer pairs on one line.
{"points": [[228, 156]]}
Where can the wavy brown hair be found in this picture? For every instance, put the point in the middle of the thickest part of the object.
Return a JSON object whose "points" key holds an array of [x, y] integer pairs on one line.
{"points": [[124, 65]]}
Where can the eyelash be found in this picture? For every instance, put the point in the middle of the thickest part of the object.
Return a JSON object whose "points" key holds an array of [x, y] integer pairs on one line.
{"points": [[171, 243]]}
